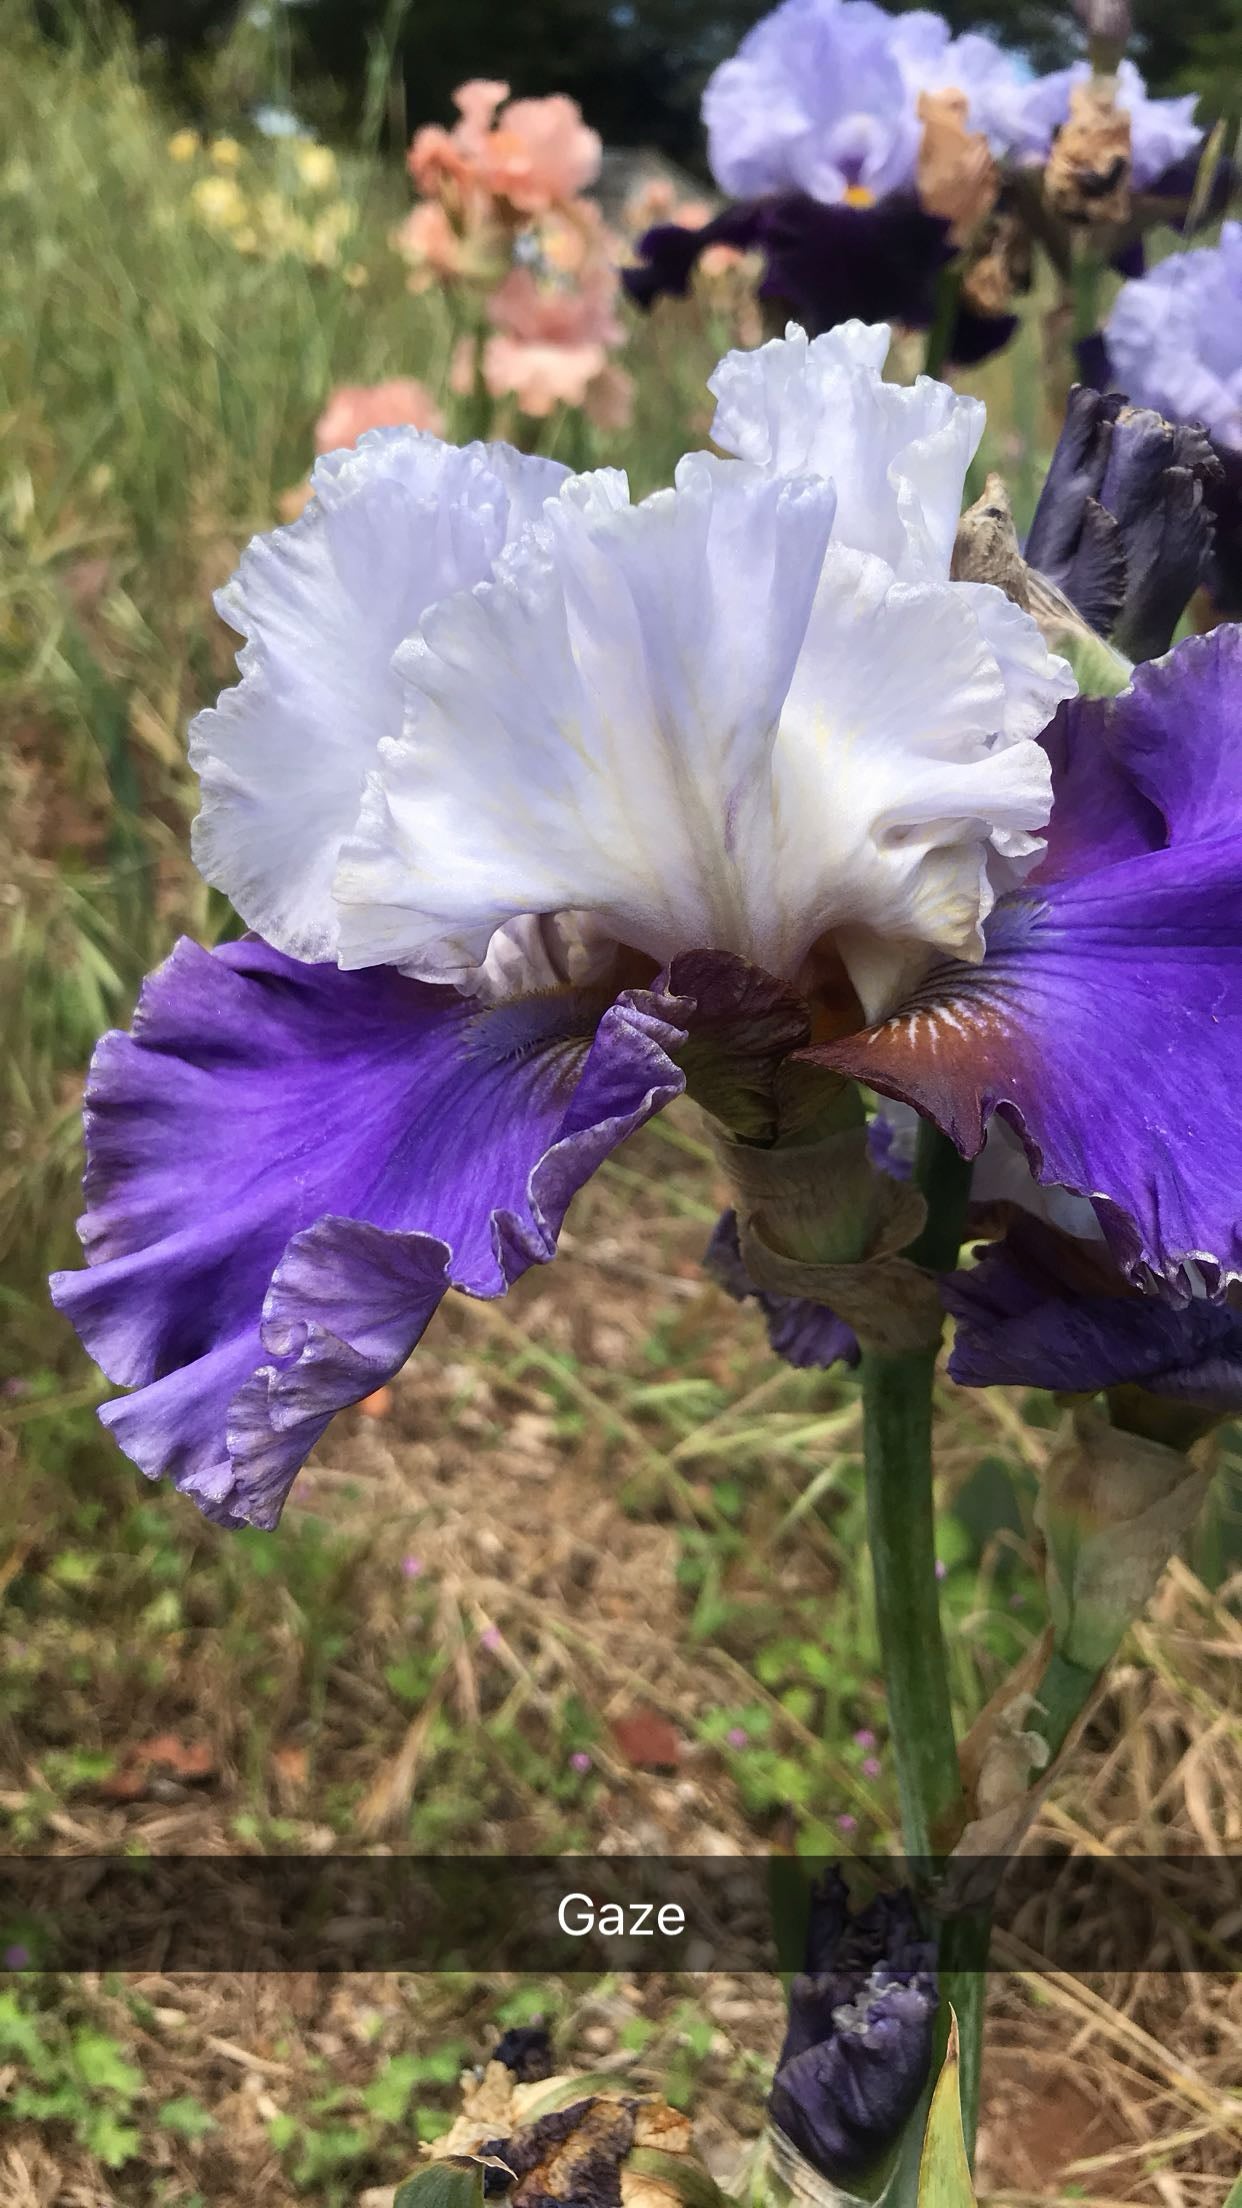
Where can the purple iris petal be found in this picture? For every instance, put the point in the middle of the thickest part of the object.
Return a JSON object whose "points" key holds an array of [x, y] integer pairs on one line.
{"points": [[815, 100], [859, 2043], [1123, 525], [288, 1165], [805, 1334], [1031, 1314], [1105, 1021], [827, 264]]}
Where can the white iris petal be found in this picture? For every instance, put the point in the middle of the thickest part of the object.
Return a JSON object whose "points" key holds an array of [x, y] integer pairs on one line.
{"points": [[498, 722], [323, 604], [896, 454]]}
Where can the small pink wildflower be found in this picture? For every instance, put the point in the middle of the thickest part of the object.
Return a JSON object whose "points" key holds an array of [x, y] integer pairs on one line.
{"points": [[864, 1737], [872, 1767], [412, 1567], [580, 1761], [738, 1737]]}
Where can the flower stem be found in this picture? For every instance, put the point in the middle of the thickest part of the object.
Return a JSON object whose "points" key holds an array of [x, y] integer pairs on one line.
{"points": [[1060, 1699], [944, 319], [897, 1447], [901, 1531]]}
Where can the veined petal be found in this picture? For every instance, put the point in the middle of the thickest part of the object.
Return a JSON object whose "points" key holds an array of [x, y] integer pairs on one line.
{"points": [[323, 604], [698, 722], [906, 768], [289, 1165], [896, 455], [1105, 1022], [592, 732]]}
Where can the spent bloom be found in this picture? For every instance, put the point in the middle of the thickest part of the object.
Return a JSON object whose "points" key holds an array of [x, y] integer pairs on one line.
{"points": [[545, 806], [859, 2042], [1163, 132]]}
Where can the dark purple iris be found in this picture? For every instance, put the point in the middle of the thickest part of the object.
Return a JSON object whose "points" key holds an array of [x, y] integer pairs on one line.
{"points": [[858, 2047], [827, 264]]}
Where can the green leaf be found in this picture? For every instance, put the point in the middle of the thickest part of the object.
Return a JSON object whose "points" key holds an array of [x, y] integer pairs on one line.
{"points": [[1233, 2198], [19, 2033], [103, 2134], [456, 2182], [101, 2065], [944, 2172], [388, 2095], [187, 2117]]}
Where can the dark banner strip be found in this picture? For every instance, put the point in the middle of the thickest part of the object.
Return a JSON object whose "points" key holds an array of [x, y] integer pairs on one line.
{"points": [[553, 1915]]}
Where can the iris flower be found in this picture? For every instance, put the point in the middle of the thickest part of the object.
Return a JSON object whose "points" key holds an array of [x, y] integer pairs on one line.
{"points": [[815, 130], [544, 807]]}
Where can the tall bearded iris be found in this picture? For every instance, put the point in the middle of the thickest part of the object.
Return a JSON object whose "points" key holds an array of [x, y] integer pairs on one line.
{"points": [[855, 190], [545, 807]]}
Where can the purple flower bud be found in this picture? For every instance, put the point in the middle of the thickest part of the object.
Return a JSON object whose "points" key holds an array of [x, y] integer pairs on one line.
{"points": [[1123, 525], [859, 2043], [580, 1761]]}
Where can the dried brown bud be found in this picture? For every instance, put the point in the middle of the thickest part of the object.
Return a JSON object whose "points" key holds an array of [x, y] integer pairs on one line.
{"points": [[1106, 19], [986, 548], [1087, 179], [957, 177], [1001, 266]]}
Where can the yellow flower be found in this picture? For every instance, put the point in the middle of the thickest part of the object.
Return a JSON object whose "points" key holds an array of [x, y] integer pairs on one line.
{"points": [[338, 220], [316, 165], [226, 153], [219, 201], [183, 145], [355, 275], [322, 246]]}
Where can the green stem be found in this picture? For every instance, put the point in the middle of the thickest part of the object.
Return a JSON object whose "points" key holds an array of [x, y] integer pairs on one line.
{"points": [[897, 1447], [940, 335], [897, 1444], [897, 1427], [1060, 1699]]}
